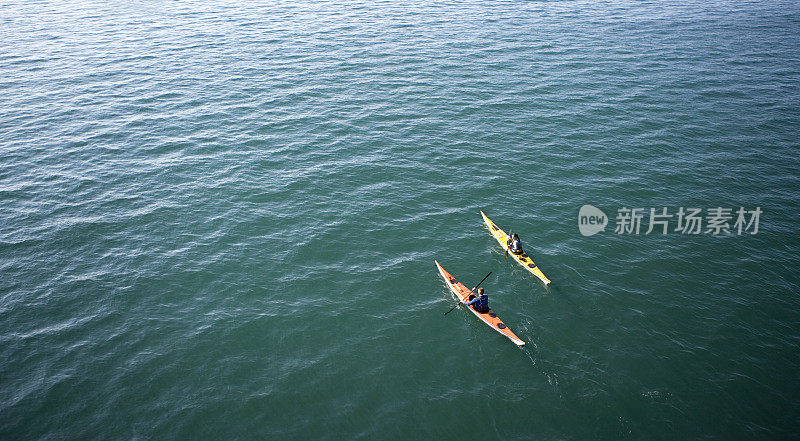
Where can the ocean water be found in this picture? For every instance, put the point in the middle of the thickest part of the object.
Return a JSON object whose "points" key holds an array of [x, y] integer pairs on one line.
{"points": [[219, 220]]}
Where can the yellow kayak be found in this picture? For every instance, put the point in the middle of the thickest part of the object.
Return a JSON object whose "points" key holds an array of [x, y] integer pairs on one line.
{"points": [[523, 259]]}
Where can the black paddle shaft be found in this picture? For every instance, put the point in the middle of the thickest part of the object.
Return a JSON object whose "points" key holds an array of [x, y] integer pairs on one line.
{"points": [[473, 290]]}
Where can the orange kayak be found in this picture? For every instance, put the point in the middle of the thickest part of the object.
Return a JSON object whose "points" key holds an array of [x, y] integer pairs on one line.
{"points": [[490, 318]]}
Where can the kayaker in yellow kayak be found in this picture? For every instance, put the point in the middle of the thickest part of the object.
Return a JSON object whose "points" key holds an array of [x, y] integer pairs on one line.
{"points": [[481, 302], [514, 244]]}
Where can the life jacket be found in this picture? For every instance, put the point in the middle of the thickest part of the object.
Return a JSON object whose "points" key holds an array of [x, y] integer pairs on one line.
{"points": [[482, 304], [516, 246]]}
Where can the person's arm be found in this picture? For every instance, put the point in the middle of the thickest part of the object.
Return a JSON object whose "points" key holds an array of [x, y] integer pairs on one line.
{"points": [[471, 302]]}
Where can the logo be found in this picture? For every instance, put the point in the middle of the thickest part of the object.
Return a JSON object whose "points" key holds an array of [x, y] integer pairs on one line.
{"points": [[591, 220], [719, 221]]}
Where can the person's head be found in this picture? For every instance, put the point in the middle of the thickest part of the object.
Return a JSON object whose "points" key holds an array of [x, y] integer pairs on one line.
{"points": [[480, 291], [514, 236]]}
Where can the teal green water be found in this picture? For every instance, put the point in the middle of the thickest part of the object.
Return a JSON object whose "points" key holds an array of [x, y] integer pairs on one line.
{"points": [[219, 220]]}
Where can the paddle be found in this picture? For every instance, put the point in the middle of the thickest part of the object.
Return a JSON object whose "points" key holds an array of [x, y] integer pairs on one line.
{"points": [[473, 290], [510, 233]]}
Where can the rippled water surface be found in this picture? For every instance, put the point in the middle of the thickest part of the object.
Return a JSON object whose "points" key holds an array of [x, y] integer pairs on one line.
{"points": [[218, 220]]}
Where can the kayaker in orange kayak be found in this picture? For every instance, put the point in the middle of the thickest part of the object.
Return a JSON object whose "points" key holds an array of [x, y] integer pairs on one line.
{"points": [[479, 303]]}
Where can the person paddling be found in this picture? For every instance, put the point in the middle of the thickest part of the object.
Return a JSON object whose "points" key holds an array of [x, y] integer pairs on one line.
{"points": [[479, 303], [514, 244]]}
